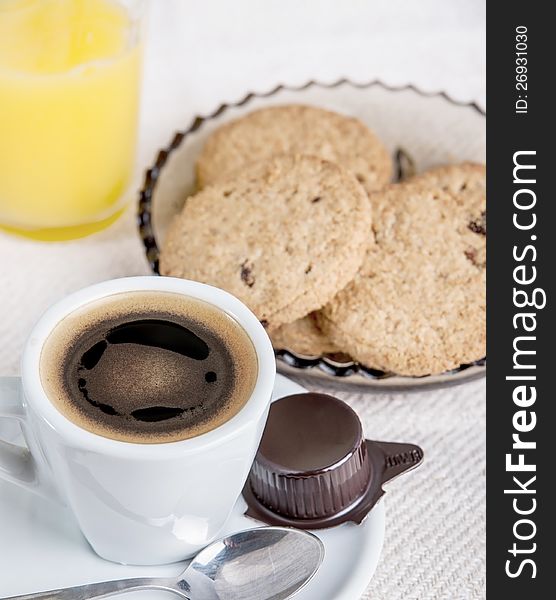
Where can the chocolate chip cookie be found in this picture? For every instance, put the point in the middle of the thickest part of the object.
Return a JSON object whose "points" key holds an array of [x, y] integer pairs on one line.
{"points": [[304, 337], [417, 304], [284, 236], [466, 183], [295, 129]]}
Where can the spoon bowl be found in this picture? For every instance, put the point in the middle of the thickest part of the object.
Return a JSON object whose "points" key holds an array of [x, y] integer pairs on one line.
{"points": [[270, 563]]}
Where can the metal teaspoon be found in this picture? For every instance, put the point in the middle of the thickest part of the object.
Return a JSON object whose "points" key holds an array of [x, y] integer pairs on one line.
{"points": [[268, 563]]}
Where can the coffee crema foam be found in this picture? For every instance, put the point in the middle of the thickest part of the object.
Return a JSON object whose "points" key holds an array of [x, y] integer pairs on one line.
{"points": [[148, 367]]}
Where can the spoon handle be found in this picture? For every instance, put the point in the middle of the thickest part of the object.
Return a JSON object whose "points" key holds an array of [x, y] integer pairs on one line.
{"points": [[104, 589]]}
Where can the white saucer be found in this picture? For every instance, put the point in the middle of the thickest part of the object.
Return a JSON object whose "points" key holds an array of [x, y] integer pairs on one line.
{"points": [[41, 547]]}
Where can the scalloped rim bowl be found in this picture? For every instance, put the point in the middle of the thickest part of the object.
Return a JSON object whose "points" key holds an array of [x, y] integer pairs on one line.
{"points": [[418, 131]]}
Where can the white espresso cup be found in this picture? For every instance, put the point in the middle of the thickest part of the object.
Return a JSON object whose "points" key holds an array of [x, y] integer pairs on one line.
{"points": [[141, 504]]}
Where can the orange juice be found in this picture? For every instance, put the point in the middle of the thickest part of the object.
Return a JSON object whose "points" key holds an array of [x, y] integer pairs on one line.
{"points": [[69, 88]]}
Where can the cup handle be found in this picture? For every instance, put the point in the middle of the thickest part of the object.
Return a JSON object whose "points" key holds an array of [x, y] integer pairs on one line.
{"points": [[17, 464]]}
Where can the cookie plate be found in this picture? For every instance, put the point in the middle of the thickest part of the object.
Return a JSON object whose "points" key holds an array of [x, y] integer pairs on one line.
{"points": [[420, 129]]}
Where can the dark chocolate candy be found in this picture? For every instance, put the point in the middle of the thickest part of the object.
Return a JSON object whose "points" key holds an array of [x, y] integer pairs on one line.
{"points": [[314, 469]]}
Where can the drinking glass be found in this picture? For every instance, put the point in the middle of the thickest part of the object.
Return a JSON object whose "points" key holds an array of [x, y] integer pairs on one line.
{"points": [[69, 99]]}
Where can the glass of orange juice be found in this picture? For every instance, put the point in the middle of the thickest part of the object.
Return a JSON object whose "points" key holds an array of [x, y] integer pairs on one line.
{"points": [[69, 97]]}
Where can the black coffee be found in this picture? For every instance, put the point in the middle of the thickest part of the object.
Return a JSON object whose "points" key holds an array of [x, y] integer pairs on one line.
{"points": [[148, 367]]}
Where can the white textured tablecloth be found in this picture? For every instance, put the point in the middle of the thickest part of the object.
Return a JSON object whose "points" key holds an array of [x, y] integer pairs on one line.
{"points": [[202, 53]]}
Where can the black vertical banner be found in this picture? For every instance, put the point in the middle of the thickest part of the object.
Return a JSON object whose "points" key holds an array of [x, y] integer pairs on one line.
{"points": [[521, 380]]}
